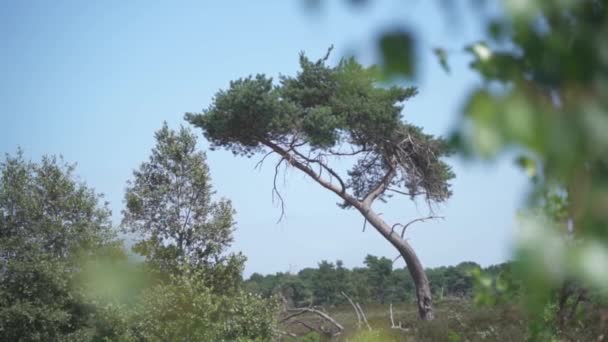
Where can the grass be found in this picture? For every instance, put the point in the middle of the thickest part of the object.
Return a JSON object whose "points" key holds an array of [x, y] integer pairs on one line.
{"points": [[456, 320]]}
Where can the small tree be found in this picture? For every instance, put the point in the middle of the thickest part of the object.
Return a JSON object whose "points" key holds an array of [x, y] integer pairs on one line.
{"points": [[184, 236], [169, 206], [329, 113]]}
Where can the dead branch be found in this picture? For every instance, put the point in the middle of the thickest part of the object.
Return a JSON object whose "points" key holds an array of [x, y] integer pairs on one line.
{"points": [[300, 311], [409, 194], [421, 219], [364, 224], [307, 170], [393, 326], [276, 191], [364, 317], [258, 165], [306, 325], [355, 308]]}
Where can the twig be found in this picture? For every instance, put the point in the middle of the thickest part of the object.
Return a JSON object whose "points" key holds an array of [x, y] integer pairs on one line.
{"points": [[276, 191], [421, 219], [259, 163]]}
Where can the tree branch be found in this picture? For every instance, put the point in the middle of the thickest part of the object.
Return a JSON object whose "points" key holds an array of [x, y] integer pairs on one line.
{"points": [[307, 170], [393, 326], [259, 163], [276, 191], [421, 219], [409, 194], [324, 166], [300, 311], [380, 187]]}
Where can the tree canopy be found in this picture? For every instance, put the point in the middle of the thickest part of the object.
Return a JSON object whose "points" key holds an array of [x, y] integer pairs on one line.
{"points": [[333, 112]]}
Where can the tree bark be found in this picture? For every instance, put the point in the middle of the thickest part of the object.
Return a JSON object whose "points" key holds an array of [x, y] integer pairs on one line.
{"points": [[414, 266]]}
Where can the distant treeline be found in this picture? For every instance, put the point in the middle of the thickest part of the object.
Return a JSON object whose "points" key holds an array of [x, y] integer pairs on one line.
{"points": [[378, 282]]}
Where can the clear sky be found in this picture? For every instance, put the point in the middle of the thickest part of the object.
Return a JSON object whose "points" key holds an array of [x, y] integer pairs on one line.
{"points": [[93, 81]]}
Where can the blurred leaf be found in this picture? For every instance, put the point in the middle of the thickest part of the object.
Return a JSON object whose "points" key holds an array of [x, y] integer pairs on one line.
{"points": [[397, 48], [528, 165], [442, 56]]}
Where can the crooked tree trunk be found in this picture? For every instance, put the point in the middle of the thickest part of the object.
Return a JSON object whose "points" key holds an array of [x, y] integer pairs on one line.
{"points": [[414, 266]]}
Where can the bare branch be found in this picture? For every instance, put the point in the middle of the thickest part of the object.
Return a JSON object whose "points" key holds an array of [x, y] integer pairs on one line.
{"points": [[393, 326], [364, 224], [354, 307], [310, 327], [358, 311], [258, 165], [307, 170], [409, 194], [324, 59], [324, 166], [421, 219], [380, 187], [364, 317], [300, 311], [276, 191]]}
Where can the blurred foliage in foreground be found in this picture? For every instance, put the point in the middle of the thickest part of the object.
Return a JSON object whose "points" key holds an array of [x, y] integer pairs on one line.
{"points": [[544, 96]]}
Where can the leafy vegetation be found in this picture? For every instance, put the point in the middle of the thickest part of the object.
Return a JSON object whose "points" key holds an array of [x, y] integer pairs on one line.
{"points": [[65, 276], [378, 282]]}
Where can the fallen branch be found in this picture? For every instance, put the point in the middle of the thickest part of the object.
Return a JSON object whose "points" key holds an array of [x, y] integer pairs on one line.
{"points": [[355, 308], [393, 326], [364, 318], [300, 311]]}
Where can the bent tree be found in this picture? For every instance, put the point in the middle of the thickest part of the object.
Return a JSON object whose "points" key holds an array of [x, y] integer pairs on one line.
{"points": [[325, 117]]}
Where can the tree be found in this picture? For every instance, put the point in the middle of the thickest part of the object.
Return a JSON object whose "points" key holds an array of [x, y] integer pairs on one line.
{"points": [[379, 273], [184, 237], [168, 205], [49, 222], [329, 113], [325, 283]]}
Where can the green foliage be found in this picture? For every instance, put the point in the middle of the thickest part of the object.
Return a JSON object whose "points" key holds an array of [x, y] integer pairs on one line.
{"points": [[186, 309], [379, 272], [378, 282], [195, 294], [48, 222], [329, 108], [169, 206]]}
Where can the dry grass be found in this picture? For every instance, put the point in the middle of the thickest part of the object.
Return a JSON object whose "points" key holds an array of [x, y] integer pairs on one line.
{"points": [[456, 320]]}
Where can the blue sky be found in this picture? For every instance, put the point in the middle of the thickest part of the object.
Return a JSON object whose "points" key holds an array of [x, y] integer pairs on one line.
{"points": [[93, 81]]}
